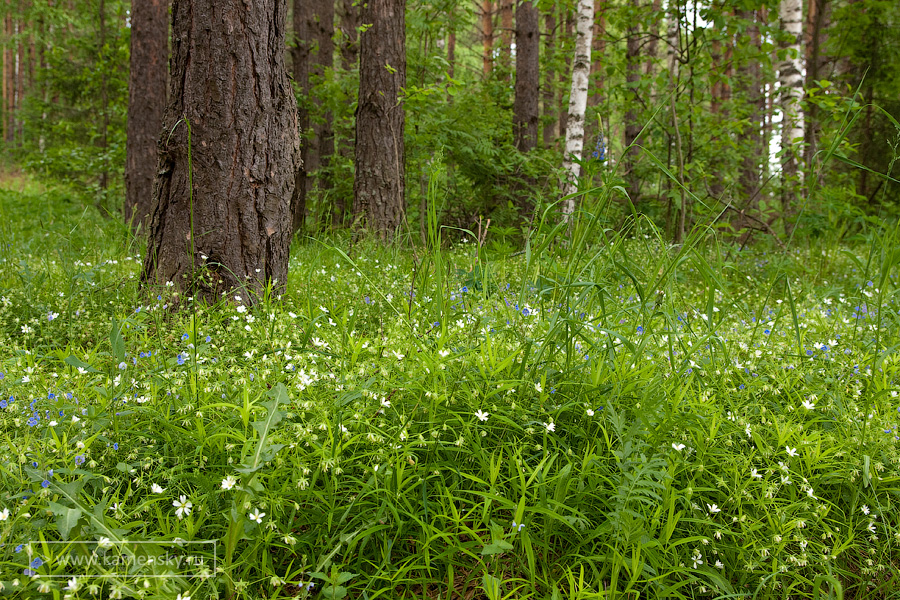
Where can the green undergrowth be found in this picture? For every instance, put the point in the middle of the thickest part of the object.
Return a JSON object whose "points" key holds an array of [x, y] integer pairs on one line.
{"points": [[600, 416]]}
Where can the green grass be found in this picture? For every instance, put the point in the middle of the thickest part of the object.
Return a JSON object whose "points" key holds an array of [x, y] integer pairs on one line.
{"points": [[602, 418]]}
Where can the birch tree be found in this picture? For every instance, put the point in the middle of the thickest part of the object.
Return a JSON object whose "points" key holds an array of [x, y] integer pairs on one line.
{"points": [[581, 68], [790, 79]]}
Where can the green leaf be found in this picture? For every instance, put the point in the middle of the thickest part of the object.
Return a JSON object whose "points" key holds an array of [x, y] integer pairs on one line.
{"points": [[496, 547], [66, 518], [264, 450], [116, 341], [77, 363]]}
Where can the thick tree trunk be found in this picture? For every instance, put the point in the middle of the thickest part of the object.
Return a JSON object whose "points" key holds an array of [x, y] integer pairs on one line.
{"points": [[581, 68], [527, 90], [487, 36], [791, 79], [324, 62], [632, 123], [221, 218], [378, 192], [146, 105]]}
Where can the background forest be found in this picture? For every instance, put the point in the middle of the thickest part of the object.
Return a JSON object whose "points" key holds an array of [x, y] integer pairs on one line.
{"points": [[681, 95]]}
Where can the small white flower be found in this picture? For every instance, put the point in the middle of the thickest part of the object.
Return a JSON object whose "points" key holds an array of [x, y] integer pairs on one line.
{"points": [[590, 412], [808, 405], [385, 403], [229, 482], [713, 508], [256, 516], [747, 430], [538, 388], [551, 427], [865, 509], [719, 564], [678, 447], [72, 585], [755, 474], [871, 527], [790, 451], [183, 507], [157, 489], [482, 416], [810, 493], [4, 514]]}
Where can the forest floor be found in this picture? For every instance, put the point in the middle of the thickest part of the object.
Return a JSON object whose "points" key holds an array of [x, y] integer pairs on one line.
{"points": [[589, 420]]}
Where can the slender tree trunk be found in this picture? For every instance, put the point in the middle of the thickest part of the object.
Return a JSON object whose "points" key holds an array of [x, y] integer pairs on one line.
{"points": [[451, 52], [632, 115], [380, 170], [506, 32], [323, 128], [791, 79], [487, 36], [20, 83], [594, 133], [566, 18], [817, 22], [527, 90], [304, 45], [581, 68], [7, 77], [551, 125], [750, 79], [349, 48], [103, 142], [146, 106], [221, 214]]}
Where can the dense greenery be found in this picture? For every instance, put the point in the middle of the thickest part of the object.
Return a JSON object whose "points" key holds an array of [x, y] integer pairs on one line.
{"points": [[600, 415], [705, 115]]}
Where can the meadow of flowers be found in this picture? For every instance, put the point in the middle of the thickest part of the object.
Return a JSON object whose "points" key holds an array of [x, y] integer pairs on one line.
{"points": [[595, 418]]}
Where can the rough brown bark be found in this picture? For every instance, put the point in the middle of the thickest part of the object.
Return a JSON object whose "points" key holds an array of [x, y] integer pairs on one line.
{"points": [[221, 224], [103, 141], [632, 123], [527, 90], [487, 36], [378, 190], [146, 105]]}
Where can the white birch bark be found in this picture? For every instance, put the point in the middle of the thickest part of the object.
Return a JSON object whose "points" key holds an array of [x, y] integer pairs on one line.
{"points": [[790, 79], [581, 68]]}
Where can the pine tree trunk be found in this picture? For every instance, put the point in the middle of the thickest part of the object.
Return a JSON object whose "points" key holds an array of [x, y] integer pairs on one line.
{"points": [[581, 68], [551, 125], [324, 62], [349, 48], [791, 79], [103, 141], [378, 191], [817, 21], [632, 124], [146, 106], [506, 32], [221, 220], [301, 54], [749, 78], [527, 90], [487, 36]]}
